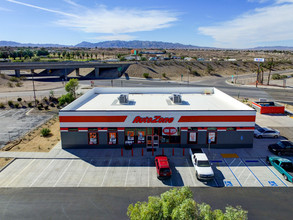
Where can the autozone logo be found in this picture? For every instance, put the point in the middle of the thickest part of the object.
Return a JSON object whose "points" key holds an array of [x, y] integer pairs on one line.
{"points": [[155, 119]]}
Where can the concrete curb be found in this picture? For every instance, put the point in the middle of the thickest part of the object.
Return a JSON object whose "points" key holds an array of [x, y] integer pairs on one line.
{"points": [[259, 86]]}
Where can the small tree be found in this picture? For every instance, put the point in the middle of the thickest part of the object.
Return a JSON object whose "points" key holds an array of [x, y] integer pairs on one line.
{"points": [[270, 66], [71, 87], [45, 132], [68, 98]]}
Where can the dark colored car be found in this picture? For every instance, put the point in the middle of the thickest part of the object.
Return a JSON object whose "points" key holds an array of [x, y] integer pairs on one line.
{"points": [[163, 167], [282, 147]]}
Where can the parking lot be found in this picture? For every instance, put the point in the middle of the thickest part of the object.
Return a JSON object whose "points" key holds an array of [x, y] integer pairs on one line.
{"points": [[16, 122], [136, 172]]}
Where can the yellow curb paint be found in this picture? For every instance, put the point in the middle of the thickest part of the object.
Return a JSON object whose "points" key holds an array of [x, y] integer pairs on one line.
{"points": [[229, 155]]}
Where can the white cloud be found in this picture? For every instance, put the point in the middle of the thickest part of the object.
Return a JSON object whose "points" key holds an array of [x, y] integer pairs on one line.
{"points": [[114, 21], [268, 24], [123, 37], [260, 1], [4, 9]]}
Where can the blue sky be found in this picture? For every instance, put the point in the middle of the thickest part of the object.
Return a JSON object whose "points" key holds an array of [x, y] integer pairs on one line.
{"points": [[213, 23]]}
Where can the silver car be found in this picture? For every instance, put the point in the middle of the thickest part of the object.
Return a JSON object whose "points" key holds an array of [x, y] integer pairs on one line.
{"points": [[266, 132]]}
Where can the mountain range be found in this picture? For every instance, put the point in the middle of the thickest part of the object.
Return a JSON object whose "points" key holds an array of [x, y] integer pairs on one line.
{"points": [[131, 44]]}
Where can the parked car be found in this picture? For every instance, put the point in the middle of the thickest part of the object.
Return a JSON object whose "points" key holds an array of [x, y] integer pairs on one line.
{"points": [[163, 167], [202, 165], [282, 147], [266, 132], [283, 165]]}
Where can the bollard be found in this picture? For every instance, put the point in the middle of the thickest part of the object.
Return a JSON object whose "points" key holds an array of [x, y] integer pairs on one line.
{"points": [[131, 151], [162, 151], [141, 151], [173, 152], [183, 151], [121, 152]]}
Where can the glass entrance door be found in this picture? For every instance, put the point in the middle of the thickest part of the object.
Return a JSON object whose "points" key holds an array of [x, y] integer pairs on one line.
{"points": [[153, 141]]}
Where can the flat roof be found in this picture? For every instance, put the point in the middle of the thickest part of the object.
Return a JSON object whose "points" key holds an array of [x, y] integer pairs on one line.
{"points": [[155, 99]]}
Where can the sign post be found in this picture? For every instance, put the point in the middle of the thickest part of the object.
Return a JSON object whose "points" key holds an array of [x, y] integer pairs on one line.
{"points": [[258, 60]]}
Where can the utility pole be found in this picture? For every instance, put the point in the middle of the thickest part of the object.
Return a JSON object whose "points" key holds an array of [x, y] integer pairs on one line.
{"points": [[34, 90]]}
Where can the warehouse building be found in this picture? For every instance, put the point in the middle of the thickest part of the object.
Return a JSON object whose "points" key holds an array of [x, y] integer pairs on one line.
{"points": [[156, 118]]}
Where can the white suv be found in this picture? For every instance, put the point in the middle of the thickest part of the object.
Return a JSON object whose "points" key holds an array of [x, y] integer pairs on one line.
{"points": [[202, 166]]}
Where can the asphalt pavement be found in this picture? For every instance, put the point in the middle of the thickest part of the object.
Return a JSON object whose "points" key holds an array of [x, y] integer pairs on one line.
{"points": [[112, 203]]}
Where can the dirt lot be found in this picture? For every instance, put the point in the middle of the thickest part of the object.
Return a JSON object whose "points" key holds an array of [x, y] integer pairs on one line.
{"points": [[34, 142], [4, 161]]}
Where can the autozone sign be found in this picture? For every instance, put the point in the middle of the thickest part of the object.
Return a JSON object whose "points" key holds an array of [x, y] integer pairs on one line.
{"points": [[155, 119]]}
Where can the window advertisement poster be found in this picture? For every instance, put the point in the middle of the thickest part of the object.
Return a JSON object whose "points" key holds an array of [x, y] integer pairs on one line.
{"points": [[130, 135], [212, 136], [169, 131], [140, 137], [93, 138], [192, 136], [112, 138]]}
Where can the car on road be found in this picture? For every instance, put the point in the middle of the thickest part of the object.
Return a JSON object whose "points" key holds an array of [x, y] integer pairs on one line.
{"points": [[283, 165], [202, 165], [163, 167], [266, 132], [281, 147]]}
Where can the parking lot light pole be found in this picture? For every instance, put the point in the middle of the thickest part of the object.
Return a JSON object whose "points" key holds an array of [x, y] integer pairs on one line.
{"points": [[34, 90]]}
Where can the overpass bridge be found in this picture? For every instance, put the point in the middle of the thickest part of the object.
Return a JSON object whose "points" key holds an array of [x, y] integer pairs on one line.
{"points": [[65, 68]]}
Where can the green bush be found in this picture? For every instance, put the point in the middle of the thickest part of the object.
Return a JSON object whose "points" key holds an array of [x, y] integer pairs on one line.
{"points": [[19, 84], [9, 84], [45, 132], [164, 75], [36, 59], [52, 104], [30, 105], [2, 105], [46, 107], [16, 105], [146, 75], [14, 79], [3, 76], [65, 99], [10, 103], [277, 76], [19, 99]]}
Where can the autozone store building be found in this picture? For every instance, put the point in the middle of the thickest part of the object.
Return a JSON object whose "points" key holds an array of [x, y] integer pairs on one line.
{"points": [[156, 118]]}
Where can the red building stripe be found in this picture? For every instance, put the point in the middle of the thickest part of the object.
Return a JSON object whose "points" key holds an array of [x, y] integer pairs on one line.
{"points": [[246, 128], [219, 118], [82, 129], [92, 118], [63, 129]]}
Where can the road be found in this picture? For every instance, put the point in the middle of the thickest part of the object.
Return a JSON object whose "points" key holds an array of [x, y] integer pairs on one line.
{"points": [[112, 203], [276, 94]]}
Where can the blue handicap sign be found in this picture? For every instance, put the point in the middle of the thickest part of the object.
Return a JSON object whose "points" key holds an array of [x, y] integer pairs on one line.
{"points": [[273, 183], [228, 183]]}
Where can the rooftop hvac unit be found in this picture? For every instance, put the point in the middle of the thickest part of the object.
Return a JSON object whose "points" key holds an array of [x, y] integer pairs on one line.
{"points": [[176, 98], [123, 98]]}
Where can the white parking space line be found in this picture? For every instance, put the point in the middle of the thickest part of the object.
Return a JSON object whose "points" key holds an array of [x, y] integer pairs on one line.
{"points": [[127, 172], [106, 172], [84, 173], [62, 173], [20, 172], [41, 173], [189, 168]]}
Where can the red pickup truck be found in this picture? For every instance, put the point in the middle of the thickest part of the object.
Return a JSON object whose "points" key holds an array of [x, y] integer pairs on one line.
{"points": [[163, 167]]}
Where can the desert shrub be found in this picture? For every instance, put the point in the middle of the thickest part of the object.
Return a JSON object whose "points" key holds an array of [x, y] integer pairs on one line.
{"points": [[164, 75], [30, 105], [291, 75], [22, 78], [195, 73], [2, 105], [52, 104], [14, 79], [146, 75], [277, 76], [19, 99], [16, 105], [284, 76], [46, 107], [9, 84], [45, 132], [10, 103], [19, 84], [36, 59], [3, 76]]}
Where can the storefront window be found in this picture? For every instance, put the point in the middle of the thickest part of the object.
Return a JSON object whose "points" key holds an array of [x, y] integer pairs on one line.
{"points": [[112, 136], [170, 135], [140, 133], [93, 138], [212, 137], [192, 135], [231, 129], [129, 134], [73, 129]]}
